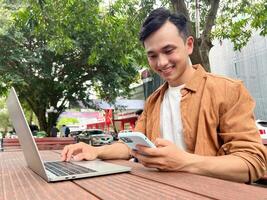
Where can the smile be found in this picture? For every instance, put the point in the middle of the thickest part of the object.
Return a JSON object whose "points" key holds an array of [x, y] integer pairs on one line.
{"points": [[166, 70]]}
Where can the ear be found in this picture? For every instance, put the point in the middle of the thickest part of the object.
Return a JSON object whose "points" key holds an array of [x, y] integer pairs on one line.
{"points": [[190, 45]]}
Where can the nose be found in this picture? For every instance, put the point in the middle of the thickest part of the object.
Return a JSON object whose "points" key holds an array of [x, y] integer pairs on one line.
{"points": [[162, 60]]}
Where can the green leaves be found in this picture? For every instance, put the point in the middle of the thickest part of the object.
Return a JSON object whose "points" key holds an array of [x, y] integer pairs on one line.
{"points": [[4, 117], [238, 19], [56, 52]]}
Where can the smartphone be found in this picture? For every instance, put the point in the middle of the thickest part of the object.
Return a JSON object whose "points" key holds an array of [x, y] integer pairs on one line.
{"points": [[134, 138]]}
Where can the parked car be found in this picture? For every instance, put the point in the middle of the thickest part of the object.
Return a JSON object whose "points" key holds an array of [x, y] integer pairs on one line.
{"points": [[95, 137], [114, 135], [125, 131], [262, 126]]}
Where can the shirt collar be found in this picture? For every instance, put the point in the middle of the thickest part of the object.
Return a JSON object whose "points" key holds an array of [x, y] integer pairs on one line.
{"points": [[192, 84], [197, 78]]}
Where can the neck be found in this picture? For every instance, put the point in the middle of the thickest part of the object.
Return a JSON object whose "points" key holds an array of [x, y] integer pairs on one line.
{"points": [[187, 75]]}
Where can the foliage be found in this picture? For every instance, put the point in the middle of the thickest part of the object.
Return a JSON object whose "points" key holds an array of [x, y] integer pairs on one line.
{"points": [[41, 134], [56, 52], [4, 117], [234, 20], [4, 121], [238, 19], [66, 121]]}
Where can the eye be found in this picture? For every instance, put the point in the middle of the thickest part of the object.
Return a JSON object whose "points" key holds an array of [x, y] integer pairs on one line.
{"points": [[151, 56], [169, 51]]}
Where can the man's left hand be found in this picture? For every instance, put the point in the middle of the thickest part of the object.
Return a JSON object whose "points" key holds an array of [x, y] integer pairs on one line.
{"points": [[166, 157]]}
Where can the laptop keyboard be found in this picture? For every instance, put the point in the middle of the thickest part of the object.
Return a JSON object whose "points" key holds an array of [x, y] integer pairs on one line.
{"points": [[66, 168]]}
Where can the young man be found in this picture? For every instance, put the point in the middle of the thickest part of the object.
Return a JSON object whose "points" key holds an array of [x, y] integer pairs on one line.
{"points": [[201, 123]]}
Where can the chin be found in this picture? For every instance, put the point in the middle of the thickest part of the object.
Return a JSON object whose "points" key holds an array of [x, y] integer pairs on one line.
{"points": [[168, 79]]}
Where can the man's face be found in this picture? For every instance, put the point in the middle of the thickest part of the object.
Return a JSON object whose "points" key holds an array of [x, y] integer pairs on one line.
{"points": [[168, 53]]}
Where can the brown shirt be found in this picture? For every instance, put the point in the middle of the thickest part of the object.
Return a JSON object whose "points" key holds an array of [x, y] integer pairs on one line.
{"points": [[217, 117]]}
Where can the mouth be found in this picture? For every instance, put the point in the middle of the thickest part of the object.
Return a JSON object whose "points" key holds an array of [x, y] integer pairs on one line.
{"points": [[166, 70]]}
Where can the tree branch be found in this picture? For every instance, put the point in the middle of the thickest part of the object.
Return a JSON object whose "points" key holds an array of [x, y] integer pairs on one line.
{"points": [[180, 6], [210, 20]]}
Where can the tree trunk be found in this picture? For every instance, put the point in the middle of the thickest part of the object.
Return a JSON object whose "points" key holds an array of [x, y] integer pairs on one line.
{"points": [[31, 117], [46, 124], [52, 119], [113, 122], [196, 57], [204, 52], [42, 121], [203, 44], [206, 43], [46, 120], [180, 6]]}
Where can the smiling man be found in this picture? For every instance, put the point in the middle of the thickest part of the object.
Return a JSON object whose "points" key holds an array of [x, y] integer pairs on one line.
{"points": [[168, 52], [201, 123]]}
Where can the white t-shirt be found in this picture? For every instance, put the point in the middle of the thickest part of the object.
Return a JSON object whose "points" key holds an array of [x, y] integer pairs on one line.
{"points": [[170, 116]]}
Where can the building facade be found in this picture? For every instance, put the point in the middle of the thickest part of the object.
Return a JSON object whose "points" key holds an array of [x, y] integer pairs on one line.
{"points": [[248, 65]]}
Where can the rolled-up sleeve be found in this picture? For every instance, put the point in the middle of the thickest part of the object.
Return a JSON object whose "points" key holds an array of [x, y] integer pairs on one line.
{"points": [[239, 132]]}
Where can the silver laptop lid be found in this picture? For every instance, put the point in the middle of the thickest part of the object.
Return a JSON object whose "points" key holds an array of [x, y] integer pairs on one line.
{"points": [[23, 131]]}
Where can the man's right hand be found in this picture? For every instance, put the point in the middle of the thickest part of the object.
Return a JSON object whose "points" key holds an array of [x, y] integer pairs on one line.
{"points": [[79, 151]]}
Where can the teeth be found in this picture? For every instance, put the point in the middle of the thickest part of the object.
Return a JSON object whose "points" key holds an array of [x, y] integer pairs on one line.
{"points": [[166, 69]]}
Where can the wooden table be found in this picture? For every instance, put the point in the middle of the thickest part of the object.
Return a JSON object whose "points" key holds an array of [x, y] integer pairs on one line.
{"points": [[19, 182]]}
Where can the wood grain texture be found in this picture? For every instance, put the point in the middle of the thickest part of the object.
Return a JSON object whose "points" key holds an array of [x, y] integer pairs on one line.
{"points": [[202, 185], [17, 181], [127, 186]]}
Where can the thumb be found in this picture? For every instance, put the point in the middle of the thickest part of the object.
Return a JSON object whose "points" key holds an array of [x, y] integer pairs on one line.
{"points": [[159, 142]]}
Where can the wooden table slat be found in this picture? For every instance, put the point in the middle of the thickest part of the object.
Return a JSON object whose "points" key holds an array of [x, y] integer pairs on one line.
{"points": [[19, 182], [127, 186], [215, 188]]}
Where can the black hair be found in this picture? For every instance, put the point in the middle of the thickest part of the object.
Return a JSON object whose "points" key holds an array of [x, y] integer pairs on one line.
{"points": [[139, 112], [158, 17]]}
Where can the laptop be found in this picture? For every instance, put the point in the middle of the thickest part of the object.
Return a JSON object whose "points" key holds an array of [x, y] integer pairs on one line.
{"points": [[57, 170]]}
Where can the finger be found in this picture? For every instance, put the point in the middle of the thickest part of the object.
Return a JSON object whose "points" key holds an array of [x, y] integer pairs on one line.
{"points": [[152, 166], [152, 162], [65, 152], [155, 152], [162, 143], [141, 157], [158, 167], [73, 150], [133, 152], [69, 154]]}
